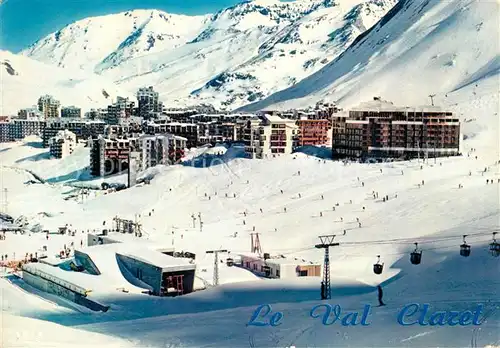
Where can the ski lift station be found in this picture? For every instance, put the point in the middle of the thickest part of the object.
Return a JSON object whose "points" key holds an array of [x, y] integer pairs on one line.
{"points": [[100, 271], [279, 266]]}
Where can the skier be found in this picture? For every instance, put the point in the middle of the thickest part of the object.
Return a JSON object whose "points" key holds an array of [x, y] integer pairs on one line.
{"points": [[300, 196], [245, 214], [402, 173], [322, 197], [298, 172], [341, 219], [253, 228], [284, 209], [320, 214], [363, 184], [226, 195], [381, 170], [357, 219], [470, 173], [333, 208], [359, 225], [363, 208], [380, 295], [323, 290], [81, 243], [487, 181], [234, 195], [350, 201], [281, 191], [345, 231], [261, 210], [244, 222], [423, 183]]}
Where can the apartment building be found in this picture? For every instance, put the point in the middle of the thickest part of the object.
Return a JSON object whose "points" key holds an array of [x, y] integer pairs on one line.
{"points": [[83, 129], [161, 149], [30, 114], [71, 112], [123, 108], [148, 105], [48, 106], [313, 132], [270, 136], [110, 156], [5, 129], [190, 131], [19, 129], [96, 114], [379, 129], [63, 144]]}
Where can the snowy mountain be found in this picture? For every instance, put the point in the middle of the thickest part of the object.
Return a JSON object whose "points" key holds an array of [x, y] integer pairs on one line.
{"points": [[421, 47], [436, 215], [24, 80], [237, 56]]}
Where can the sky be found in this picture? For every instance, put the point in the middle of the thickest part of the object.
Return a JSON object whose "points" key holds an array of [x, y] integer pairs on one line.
{"points": [[22, 22]]}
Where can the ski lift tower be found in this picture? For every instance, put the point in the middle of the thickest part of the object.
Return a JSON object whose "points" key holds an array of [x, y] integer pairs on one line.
{"points": [[216, 263], [325, 243]]}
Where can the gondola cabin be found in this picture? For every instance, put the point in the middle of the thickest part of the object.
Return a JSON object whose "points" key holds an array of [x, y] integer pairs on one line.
{"points": [[465, 250], [416, 256], [378, 267]]}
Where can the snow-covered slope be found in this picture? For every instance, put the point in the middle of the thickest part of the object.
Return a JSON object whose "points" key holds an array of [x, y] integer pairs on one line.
{"points": [[17, 332], [436, 215], [24, 80], [239, 55], [421, 47], [104, 41]]}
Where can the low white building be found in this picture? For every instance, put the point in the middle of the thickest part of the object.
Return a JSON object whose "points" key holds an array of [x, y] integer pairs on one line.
{"points": [[270, 136], [279, 266], [63, 144]]}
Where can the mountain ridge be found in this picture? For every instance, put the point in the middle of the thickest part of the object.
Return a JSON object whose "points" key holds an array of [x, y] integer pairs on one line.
{"points": [[257, 47]]}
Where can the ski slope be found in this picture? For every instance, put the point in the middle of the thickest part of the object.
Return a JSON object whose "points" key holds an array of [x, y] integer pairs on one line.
{"points": [[435, 214], [420, 47], [24, 80]]}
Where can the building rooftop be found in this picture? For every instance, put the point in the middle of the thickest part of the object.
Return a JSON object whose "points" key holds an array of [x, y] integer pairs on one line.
{"points": [[384, 105]]}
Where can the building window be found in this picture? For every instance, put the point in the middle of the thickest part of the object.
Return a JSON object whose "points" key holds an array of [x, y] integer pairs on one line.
{"points": [[278, 273], [302, 273]]}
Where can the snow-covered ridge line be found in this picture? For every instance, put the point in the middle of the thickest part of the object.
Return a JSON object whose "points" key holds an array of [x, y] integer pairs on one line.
{"points": [[236, 56]]}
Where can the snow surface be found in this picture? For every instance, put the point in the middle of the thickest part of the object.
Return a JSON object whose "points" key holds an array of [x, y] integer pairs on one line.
{"points": [[419, 41], [436, 215], [24, 80], [239, 55]]}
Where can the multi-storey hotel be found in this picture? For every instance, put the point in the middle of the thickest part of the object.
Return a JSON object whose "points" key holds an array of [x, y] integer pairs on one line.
{"points": [[381, 130]]}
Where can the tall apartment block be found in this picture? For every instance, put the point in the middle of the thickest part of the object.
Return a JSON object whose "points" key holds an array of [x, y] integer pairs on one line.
{"points": [[379, 129], [270, 136], [71, 112], [313, 132], [48, 106], [5, 130], [148, 105], [123, 108], [63, 144], [111, 155], [161, 149]]}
